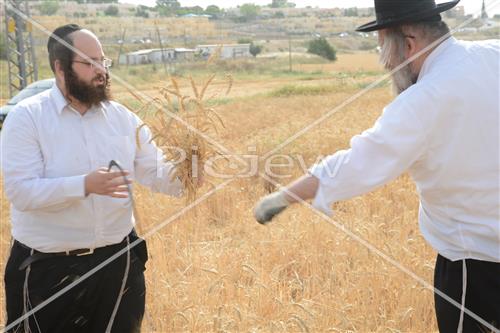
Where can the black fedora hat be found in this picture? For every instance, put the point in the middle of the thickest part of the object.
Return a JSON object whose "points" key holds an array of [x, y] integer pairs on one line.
{"points": [[395, 12]]}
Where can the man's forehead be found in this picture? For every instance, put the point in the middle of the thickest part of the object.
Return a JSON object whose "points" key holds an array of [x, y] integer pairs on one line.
{"points": [[86, 42], [84, 36]]}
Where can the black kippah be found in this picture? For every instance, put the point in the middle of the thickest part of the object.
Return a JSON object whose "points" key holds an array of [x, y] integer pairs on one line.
{"points": [[62, 32]]}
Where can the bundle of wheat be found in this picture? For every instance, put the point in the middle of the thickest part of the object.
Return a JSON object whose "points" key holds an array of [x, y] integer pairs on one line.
{"points": [[181, 125]]}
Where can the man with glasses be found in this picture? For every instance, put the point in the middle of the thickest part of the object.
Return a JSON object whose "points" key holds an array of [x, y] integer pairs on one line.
{"points": [[443, 129], [70, 209]]}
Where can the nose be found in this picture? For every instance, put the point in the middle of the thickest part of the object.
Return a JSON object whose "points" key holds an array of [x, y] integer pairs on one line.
{"points": [[99, 68]]}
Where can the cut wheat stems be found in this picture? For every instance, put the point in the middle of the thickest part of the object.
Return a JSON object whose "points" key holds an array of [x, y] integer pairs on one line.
{"points": [[180, 124]]}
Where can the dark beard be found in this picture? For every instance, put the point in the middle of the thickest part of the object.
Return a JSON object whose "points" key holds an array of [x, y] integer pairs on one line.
{"points": [[88, 94]]}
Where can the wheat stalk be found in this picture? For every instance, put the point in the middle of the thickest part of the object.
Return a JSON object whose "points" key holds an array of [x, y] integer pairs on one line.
{"points": [[192, 109]]}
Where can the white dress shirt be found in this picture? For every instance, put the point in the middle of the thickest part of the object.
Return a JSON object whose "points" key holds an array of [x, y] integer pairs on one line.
{"points": [[48, 148], [445, 131]]}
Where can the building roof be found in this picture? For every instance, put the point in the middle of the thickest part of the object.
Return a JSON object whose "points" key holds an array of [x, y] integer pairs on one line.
{"points": [[147, 51], [181, 49], [223, 45]]}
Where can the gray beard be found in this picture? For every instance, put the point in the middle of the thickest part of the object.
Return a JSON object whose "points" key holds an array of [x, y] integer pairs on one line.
{"points": [[402, 80], [391, 56]]}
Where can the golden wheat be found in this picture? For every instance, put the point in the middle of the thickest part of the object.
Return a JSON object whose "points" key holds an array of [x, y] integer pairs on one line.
{"points": [[221, 271]]}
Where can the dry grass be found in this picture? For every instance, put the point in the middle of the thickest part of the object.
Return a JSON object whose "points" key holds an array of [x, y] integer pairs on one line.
{"points": [[220, 271], [346, 63]]}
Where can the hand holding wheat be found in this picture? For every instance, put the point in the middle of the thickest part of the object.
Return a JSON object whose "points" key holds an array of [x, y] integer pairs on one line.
{"points": [[182, 122]]}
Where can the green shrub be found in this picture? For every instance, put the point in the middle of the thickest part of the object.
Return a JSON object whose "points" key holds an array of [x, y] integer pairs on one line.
{"points": [[111, 11], [293, 90], [321, 47], [49, 7]]}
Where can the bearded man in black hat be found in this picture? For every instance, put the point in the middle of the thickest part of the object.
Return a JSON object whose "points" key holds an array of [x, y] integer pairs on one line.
{"points": [[443, 128]]}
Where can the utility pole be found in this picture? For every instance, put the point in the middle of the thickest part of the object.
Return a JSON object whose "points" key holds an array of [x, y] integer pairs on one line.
{"points": [[21, 58], [161, 48], [121, 48], [290, 52]]}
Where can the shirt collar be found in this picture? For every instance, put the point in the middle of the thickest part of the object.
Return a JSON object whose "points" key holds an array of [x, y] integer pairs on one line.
{"points": [[61, 103], [58, 98], [431, 59]]}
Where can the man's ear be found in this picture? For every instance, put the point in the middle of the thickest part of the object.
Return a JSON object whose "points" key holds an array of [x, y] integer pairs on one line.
{"points": [[59, 72], [410, 46]]}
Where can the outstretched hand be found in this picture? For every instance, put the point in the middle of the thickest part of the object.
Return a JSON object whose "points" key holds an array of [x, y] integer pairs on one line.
{"points": [[270, 206]]}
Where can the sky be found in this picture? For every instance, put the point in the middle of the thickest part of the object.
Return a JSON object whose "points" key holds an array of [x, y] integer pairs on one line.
{"points": [[471, 6]]}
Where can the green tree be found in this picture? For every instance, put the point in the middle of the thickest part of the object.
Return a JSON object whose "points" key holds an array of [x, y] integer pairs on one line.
{"points": [[197, 10], [173, 4], [142, 11], [249, 11], [49, 7], [96, 1], [167, 7], [255, 49], [279, 15], [321, 47], [213, 10], [351, 12], [111, 11], [244, 41], [279, 4]]}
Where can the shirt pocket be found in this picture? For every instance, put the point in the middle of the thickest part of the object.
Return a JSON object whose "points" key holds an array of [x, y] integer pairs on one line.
{"points": [[119, 149]]}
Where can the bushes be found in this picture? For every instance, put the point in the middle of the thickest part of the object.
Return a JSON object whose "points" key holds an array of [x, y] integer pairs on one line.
{"points": [[294, 90], [254, 48], [321, 47], [142, 11], [111, 11], [48, 7]]}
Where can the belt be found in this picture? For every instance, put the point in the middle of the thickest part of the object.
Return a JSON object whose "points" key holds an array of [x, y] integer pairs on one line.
{"points": [[37, 255]]}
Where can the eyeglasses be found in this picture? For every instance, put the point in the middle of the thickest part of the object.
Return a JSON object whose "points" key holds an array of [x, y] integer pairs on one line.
{"points": [[105, 64]]}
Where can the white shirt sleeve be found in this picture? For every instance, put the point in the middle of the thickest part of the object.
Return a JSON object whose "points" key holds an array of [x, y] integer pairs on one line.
{"points": [[376, 157], [23, 169], [151, 167]]}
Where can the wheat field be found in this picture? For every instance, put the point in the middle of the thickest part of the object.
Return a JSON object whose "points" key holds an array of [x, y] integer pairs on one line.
{"points": [[215, 269]]}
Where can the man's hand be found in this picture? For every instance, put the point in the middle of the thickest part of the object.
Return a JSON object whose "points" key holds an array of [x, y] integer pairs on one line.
{"points": [[110, 183], [270, 206]]}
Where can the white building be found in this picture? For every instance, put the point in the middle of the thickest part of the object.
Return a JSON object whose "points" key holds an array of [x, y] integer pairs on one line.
{"points": [[156, 56], [171, 55], [135, 58], [228, 51], [153, 56], [183, 54]]}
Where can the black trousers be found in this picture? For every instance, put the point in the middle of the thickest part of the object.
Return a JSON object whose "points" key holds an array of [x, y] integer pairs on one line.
{"points": [[482, 294], [87, 307]]}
